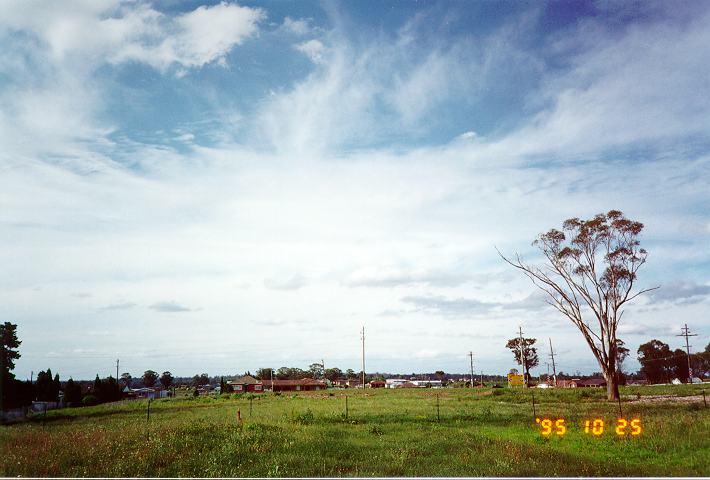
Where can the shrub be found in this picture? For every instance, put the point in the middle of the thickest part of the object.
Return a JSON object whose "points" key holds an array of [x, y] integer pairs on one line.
{"points": [[89, 400], [304, 418]]}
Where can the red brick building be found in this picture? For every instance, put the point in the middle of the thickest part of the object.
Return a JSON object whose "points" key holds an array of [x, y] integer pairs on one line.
{"points": [[247, 383], [303, 385]]}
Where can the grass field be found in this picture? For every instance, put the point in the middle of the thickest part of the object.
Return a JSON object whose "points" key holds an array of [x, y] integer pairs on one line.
{"points": [[386, 433]]}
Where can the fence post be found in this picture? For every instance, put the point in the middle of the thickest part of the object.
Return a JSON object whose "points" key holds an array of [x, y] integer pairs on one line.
{"points": [[147, 420], [533, 402], [346, 407], [438, 417], [621, 413]]}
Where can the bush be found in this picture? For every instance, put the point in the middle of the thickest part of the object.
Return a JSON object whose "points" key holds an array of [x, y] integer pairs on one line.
{"points": [[89, 400], [304, 418]]}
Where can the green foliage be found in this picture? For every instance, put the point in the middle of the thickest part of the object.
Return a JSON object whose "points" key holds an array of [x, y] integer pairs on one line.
{"points": [[72, 393], [149, 378], [303, 418], [90, 400], [655, 358], [388, 433], [8, 350], [376, 430], [166, 380]]}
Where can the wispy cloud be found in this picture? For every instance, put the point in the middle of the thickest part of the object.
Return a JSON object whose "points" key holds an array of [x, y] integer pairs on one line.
{"points": [[170, 307], [118, 306], [681, 292]]}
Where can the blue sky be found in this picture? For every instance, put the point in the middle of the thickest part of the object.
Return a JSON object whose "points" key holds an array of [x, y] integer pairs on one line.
{"points": [[218, 187]]}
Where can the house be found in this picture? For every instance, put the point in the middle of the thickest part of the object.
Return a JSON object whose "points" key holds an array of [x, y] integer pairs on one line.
{"points": [[246, 383], [145, 392], [303, 385], [377, 384], [427, 383], [406, 385], [567, 383], [395, 382], [592, 382]]}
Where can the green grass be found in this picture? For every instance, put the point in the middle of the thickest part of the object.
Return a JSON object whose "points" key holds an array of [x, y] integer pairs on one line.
{"points": [[386, 433]]}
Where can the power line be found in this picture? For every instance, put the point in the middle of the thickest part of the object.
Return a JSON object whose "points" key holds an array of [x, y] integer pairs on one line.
{"points": [[523, 361], [552, 355], [470, 354], [686, 333], [363, 356]]}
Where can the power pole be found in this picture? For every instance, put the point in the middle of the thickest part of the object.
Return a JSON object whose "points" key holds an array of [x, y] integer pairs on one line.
{"points": [[522, 356], [363, 355], [686, 333], [117, 371], [552, 356], [470, 354]]}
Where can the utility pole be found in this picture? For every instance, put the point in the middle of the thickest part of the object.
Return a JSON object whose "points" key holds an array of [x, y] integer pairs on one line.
{"points": [[522, 356], [272, 379], [552, 355], [481, 378], [470, 354], [686, 333], [363, 356], [117, 371]]}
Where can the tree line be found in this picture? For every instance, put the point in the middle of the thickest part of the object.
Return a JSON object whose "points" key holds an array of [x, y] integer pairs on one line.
{"points": [[659, 364]]}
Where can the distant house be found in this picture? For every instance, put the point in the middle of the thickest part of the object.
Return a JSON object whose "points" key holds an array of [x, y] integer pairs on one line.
{"points": [[144, 392], [303, 385], [592, 382], [247, 383], [427, 383], [407, 385], [395, 382], [567, 383]]}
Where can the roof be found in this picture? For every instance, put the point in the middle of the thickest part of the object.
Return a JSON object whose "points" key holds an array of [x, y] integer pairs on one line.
{"points": [[244, 380], [303, 381], [592, 382]]}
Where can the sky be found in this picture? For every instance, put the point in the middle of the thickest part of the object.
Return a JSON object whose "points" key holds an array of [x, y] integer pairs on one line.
{"points": [[219, 187]]}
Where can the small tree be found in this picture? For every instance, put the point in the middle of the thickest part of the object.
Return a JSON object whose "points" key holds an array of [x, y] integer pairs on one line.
{"points": [[316, 370], [127, 379], [166, 380], [8, 350], [590, 270], [529, 358], [655, 359], [72, 393], [149, 378]]}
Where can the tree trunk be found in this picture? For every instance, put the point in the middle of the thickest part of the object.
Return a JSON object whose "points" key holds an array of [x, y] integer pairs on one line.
{"points": [[612, 380]]}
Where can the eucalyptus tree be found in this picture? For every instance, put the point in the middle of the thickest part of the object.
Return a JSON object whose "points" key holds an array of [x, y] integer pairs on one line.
{"points": [[589, 275]]}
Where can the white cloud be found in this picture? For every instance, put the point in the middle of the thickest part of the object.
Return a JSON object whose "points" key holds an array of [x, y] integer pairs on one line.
{"points": [[134, 32], [299, 26], [313, 49]]}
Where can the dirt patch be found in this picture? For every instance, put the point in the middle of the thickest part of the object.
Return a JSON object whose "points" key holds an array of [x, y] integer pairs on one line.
{"points": [[667, 398]]}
